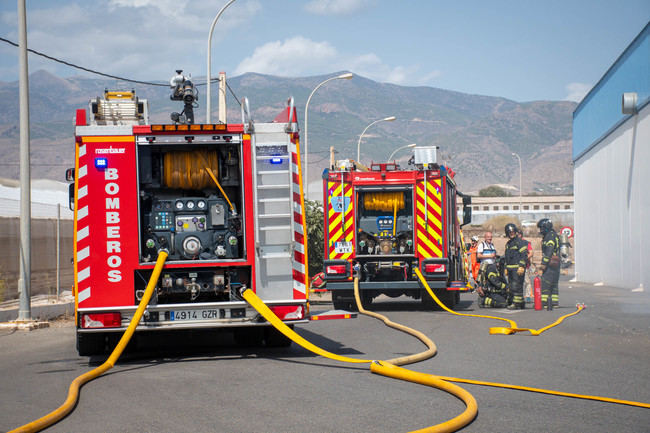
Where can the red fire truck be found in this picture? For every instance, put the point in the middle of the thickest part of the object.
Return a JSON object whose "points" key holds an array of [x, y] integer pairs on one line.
{"points": [[385, 222], [225, 200]]}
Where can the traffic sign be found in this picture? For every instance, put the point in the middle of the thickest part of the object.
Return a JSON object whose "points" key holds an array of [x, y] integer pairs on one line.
{"points": [[567, 230]]}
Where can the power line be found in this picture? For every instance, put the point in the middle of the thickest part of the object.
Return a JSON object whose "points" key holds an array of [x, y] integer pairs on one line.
{"points": [[92, 71]]}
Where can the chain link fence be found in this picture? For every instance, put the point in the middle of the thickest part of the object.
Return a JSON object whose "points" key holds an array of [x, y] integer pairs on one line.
{"points": [[51, 248]]}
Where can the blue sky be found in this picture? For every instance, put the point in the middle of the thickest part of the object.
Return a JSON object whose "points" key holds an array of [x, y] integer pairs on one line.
{"points": [[521, 50]]}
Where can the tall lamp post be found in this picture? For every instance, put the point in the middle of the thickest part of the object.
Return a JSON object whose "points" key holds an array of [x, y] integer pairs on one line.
{"points": [[208, 95], [400, 148], [25, 276], [346, 76], [519, 159], [385, 119]]}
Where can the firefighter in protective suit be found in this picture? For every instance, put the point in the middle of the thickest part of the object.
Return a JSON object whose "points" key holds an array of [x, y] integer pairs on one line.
{"points": [[491, 287], [516, 256], [550, 266]]}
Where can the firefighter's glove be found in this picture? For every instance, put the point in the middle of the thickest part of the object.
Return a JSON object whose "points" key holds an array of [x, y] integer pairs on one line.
{"points": [[521, 270], [541, 268]]}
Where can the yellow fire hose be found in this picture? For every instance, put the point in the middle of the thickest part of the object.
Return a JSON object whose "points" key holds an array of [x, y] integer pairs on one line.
{"points": [[389, 369], [73, 390], [385, 368], [497, 329]]}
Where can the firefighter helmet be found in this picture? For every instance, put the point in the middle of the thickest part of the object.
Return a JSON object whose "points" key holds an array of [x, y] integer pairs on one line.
{"points": [[545, 225], [501, 264], [510, 228]]}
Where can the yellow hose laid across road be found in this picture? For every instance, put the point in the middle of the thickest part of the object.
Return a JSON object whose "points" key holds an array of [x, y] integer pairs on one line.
{"points": [[548, 391], [410, 359], [513, 328], [497, 329], [73, 390], [266, 312], [452, 425], [384, 368], [389, 369]]}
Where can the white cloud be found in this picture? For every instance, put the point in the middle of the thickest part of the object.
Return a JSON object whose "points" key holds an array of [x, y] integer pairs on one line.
{"points": [[371, 66], [167, 8], [576, 91], [292, 57], [139, 39], [336, 7], [299, 56]]}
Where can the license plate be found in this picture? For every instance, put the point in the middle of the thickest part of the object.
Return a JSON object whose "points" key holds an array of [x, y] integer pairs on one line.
{"points": [[343, 247], [186, 315]]}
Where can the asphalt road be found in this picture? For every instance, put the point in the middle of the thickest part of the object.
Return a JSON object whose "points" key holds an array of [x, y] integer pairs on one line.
{"points": [[604, 351]]}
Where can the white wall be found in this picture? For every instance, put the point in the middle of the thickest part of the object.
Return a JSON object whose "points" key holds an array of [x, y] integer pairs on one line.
{"points": [[612, 207]]}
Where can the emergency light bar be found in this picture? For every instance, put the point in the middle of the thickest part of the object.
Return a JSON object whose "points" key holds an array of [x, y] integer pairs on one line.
{"points": [[193, 127]]}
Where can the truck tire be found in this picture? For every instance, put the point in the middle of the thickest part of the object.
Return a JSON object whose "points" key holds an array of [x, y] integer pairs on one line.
{"points": [[250, 336], [427, 301], [344, 300], [366, 299], [275, 338], [90, 344], [447, 297]]}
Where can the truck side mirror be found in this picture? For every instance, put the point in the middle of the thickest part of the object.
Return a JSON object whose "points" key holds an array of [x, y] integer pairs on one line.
{"points": [[71, 196], [467, 214], [467, 200], [69, 174]]}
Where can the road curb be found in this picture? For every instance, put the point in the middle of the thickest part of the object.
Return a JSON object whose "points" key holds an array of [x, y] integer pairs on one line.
{"points": [[40, 312]]}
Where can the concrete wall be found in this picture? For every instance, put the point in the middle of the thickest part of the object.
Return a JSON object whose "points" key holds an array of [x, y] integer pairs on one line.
{"points": [[558, 209], [43, 263], [612, 207]]}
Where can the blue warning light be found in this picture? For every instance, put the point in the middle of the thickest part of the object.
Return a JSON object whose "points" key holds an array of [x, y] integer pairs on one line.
{"points": [[101, 163], [276, 160]]}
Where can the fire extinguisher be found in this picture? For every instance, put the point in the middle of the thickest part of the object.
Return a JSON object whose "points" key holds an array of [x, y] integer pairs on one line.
{"points": [[537, 282]]}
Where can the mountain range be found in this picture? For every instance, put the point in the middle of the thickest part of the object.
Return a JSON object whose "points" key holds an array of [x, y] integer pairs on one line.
{"points": [[477, 135]]}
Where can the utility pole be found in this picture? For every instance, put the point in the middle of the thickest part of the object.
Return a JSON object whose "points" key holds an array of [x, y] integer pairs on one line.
{"points": [[24, 280]]}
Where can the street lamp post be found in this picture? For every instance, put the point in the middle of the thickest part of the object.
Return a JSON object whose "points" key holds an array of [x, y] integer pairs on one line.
{"points": [[519, 159], [385, 119], [400, 148], [346, 76], [208, 95]]}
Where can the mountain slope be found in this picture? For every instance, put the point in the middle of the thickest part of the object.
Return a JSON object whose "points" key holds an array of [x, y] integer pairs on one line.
{"points": [[476, 134]]}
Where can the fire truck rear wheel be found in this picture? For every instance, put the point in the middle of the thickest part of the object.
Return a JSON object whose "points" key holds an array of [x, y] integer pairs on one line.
{"points": [[344, 300], [249, 336], [90, 344], [448, 298], [275, 338]]}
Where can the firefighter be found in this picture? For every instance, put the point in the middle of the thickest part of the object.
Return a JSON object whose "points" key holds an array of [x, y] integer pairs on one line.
{"points": [[550, 266], [516, 256], [474, 264], [491, 287]]}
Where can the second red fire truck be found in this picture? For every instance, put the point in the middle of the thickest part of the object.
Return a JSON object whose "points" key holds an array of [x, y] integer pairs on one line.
{"points": [[383, 223]]}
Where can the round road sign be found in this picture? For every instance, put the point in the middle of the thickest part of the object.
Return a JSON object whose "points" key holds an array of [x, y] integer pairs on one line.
{"points": [[568, 230]]}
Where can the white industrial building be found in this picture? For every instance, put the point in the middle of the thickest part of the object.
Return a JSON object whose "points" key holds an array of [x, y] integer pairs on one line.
{"points": [[611, 154]]}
